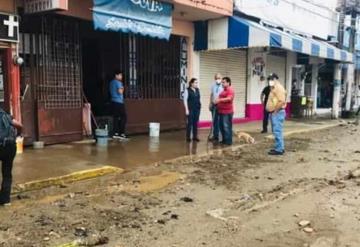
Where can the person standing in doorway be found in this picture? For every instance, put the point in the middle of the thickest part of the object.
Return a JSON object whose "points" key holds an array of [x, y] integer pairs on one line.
{"points": [[264, 98], [276, 107], [216, 89], [225, 108], [192, 109], [7, 153], [118, 105]]}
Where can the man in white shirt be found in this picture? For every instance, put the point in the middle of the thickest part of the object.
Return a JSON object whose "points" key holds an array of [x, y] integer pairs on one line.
{"points": [[216, 89]]}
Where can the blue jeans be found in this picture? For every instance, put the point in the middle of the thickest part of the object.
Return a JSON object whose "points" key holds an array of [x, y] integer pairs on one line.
{"points": [[277, 123], [226, 128], [215, 123]]}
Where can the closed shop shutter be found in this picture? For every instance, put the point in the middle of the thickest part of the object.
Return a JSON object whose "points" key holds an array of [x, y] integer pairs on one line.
{"points": [[231, 63], [277, 65]]}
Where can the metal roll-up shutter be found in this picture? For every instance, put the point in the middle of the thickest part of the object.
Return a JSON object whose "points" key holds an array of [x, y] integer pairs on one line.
{"points": [[277, 64], [231, 63]]}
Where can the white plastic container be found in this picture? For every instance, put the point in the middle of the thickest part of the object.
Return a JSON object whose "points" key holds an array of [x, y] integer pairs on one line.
{"points": [[102, 137], [154, 129]]}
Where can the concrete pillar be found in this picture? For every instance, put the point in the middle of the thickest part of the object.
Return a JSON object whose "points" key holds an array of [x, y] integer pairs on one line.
{"points": [[349, 86], [337, 91], [302, 87], [314, 84], [290, 63], [357, 90], [254, 108], [254, 85]]}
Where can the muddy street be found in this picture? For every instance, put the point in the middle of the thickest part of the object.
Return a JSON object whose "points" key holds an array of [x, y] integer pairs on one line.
{"points": [[234, 197]]}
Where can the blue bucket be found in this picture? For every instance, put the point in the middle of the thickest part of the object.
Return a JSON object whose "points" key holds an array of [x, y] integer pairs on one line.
{"points": [[102, 137]]}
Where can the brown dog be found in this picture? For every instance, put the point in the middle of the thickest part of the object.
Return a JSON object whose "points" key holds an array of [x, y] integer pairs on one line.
{"points": [[244, 136]]}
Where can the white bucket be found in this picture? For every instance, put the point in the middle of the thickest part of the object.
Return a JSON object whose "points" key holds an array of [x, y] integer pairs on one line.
{"points": [[154, 129]]}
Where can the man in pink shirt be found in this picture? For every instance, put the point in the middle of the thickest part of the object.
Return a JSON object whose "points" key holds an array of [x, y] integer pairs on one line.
{"points": [[225, 109]]}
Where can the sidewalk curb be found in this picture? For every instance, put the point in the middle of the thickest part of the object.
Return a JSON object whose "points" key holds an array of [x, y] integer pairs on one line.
{"points": [[66, 179], [293, 132]]}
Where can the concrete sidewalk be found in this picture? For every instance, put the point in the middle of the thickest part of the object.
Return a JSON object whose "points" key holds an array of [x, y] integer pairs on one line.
{"points": [[64, 159]]}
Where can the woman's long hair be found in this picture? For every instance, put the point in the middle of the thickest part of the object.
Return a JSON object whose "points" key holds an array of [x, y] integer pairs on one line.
{"points": [[192, 81]]}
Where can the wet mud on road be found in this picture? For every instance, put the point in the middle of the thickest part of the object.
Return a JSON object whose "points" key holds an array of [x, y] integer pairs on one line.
{"points": [[241, 197]]}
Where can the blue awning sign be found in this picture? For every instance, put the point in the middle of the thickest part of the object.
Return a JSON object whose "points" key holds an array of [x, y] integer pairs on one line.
{"points": [[244, 33], [145, 17]]}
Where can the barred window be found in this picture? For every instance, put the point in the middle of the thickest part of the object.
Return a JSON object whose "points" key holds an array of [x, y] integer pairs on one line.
{"points": [[154, 68]]}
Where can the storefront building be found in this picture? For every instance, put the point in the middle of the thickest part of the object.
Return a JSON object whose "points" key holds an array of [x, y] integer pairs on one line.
{"points": [[71, 51], [268, 48]]}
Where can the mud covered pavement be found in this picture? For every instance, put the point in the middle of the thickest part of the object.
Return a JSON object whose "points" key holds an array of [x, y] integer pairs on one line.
{"points": [[237, 197]]}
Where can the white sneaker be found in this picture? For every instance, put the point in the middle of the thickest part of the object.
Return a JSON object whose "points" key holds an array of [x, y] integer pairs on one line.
{"points": [[116, 136], [123, 137]]}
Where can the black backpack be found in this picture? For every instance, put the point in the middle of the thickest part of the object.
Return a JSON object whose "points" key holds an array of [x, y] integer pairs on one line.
{"points": [[7, 130]]}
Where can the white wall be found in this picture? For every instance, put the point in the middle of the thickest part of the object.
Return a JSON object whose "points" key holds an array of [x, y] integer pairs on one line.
{"points": [[254, 85], [297, 15], [314, 84]]}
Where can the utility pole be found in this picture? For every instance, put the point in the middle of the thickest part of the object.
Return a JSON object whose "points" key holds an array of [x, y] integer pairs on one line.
{"points": [[342, 10], [351, 67], [352, 8], [338, 66]]}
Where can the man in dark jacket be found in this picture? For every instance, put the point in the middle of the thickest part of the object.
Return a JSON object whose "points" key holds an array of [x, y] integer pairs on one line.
{"points": [[264, 98], [7, 153]]}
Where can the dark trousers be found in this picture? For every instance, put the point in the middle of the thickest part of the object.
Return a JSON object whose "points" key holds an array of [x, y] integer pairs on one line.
{"points": [[215, 123], [265, 120], [120, 117], [7, 155], [192, 124], [226, 128]]}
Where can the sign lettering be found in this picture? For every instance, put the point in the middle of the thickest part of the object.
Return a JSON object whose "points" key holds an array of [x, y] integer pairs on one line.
{"points": [[183, 66], [116, 24], [144, 17], [150, 5]]}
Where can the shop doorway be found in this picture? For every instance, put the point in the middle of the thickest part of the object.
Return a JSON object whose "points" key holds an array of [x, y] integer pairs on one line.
{"points": [[325, 86], [102, 53], [151, 70]]}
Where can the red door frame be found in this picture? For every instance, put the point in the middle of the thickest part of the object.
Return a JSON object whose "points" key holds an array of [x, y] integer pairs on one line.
{"points": [[13, 89]]}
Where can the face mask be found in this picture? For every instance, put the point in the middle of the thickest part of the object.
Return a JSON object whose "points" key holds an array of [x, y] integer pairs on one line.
{"points": [[218, 81]]}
